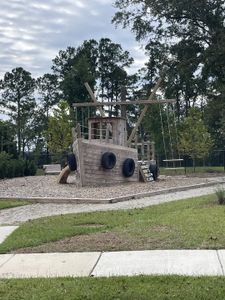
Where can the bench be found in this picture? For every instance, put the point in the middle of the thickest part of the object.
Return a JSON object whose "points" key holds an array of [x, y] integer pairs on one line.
{"points": [[52, 169]]}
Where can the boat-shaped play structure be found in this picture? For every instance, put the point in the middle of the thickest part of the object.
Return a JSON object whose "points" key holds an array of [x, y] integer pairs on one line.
{"points": [[106, 155]]}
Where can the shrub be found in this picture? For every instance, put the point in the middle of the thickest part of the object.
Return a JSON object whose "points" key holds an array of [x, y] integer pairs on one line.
{"points": [[10, 168], [4, 159], [220, 194], [19, 167], [30, 168]]}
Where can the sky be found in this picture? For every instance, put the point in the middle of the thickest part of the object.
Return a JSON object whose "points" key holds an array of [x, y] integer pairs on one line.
{"points": [[33, 31]]}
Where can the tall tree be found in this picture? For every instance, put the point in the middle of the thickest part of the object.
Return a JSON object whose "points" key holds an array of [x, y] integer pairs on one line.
{"points": [[74, 66], [18, 98], [112, 64], [193, 33], [196, 142], [59, 132], [49, 95], [48, 89], [7, 137], [215, 118]]}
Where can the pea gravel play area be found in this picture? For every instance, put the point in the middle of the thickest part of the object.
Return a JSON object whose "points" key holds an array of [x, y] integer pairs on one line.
{"points": [[46, 187]]}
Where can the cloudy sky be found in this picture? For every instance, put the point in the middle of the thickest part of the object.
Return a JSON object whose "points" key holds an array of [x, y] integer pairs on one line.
{"points": [[33, 31]]}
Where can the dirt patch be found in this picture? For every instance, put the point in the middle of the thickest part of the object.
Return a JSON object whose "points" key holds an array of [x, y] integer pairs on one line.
{"points": [[93, 242], [160, 228], [106, 241], [90, 225]]}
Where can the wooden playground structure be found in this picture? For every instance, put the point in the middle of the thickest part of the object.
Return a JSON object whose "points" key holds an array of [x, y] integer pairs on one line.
{"points": [[107, 156]]}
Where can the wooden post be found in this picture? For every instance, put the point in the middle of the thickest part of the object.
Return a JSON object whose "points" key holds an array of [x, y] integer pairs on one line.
{"points": [[100, 130], [102, 113], [142, 150], [153, 150], [107, 132], [143, 113], [136, 140], [78, 131], [123, 99], [148, 151]]}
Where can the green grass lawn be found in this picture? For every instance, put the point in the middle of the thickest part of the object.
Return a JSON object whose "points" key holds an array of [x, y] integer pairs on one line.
{"points": [[12, 203], [190, 170], [40, 172], [124, 288], [187, 224]]}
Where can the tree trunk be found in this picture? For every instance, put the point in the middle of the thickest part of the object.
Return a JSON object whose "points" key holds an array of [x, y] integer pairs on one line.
{"points": [[194, 164], [18, 126]]}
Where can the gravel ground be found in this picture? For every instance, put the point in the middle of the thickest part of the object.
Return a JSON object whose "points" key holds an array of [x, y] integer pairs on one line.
{"points": [[17, 215], [46, 186]]}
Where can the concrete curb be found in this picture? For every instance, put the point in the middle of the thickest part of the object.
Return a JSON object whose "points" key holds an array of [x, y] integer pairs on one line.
{"points": [[54, 200]]}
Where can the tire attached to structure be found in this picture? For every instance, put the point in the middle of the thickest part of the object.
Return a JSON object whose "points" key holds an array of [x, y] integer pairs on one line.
{"points": [[128, 167], [153, 168], [108, 160], [72, 162]]}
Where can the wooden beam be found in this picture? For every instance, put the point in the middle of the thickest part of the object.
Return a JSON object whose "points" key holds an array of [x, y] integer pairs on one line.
{"points": [[131, 102], [144, 112], [93, 99], [96, 103]]}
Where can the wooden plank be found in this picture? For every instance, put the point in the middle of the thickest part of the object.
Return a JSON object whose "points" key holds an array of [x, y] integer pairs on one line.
{"points": [[142, 174], [173, 160], [176, 168], [62, 179], [91, 171], [52, 169], [130, 102], [102, 113]]}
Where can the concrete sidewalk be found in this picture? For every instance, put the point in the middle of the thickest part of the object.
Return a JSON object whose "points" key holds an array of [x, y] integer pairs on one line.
{"points": [[97, 264]]}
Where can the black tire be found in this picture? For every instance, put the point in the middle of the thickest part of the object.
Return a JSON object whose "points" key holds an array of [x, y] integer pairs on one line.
{"points": [[72, 162], [108, 160], [154, 170], [128, 167]]}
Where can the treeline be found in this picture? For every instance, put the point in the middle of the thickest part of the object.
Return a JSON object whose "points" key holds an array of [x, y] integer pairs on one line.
{"points": [[29, 102]]}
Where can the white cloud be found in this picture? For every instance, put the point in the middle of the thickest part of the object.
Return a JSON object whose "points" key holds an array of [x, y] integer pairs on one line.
{"points": [[32, 32]]}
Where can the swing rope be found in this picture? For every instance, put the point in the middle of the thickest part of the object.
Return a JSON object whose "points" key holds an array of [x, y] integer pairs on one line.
{"points": [[169, 130], [171, 141], [163, 131], [176, 131]]}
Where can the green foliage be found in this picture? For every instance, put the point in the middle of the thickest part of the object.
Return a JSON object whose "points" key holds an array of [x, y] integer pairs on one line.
{"points": [[214, 114], [194, 138], [4, 158], [74, 67], [10, 168], [220, 194], [7, 137], [48, 88], [102, 64], [186, 39], [111, 69], [30, 168], [192, 29], [59, 133], [18, 101]]}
